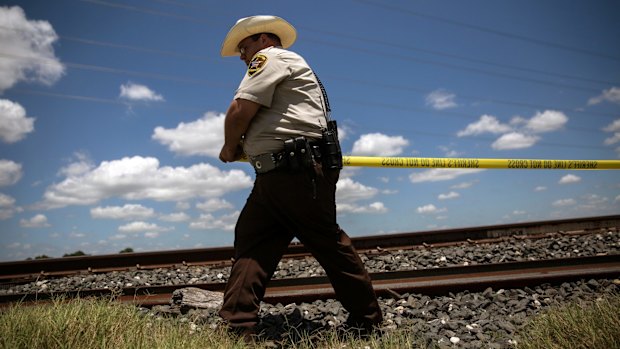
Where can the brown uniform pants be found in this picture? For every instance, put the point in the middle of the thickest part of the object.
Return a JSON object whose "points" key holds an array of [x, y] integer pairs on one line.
{"points": [[281, 206]]}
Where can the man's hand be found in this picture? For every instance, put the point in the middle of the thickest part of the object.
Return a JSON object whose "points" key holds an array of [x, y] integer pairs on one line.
{"points": [[229, 155]]}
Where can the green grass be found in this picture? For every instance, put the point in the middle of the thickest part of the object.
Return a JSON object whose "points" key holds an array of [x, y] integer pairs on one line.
{"points": [[97, 323], [575, 325]]}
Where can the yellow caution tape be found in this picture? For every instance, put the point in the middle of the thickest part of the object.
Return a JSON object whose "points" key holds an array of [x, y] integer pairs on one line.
{"points": [[526, 164], [538, 164]]}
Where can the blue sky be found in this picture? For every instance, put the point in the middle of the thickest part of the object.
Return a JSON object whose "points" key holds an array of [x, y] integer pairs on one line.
{"points": [[111, 115]]}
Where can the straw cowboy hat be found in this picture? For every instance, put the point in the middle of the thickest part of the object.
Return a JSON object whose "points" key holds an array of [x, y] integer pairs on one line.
{"points": [[254, 25]]}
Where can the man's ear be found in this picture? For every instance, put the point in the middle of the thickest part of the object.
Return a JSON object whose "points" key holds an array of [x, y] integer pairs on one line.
{"points": [[264, 39]]}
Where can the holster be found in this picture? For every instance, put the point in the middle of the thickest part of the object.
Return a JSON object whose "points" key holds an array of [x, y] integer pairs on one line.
{"points": [[332, 154], [298, 154]]}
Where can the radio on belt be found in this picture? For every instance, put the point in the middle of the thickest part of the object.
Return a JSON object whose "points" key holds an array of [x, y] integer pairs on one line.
{"points": [[332, 153]]}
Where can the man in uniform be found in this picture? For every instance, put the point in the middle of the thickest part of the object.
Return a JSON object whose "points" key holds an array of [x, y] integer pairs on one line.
{"points": [[280, 104]]}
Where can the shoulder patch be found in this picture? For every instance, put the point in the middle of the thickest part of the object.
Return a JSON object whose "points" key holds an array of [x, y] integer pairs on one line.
{"points": [[257, 63]]}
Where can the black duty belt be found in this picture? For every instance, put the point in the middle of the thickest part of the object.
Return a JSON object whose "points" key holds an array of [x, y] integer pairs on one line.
{"points": [[298, 153]]}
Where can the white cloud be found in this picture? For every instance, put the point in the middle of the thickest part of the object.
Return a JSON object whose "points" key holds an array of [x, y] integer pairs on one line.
{"points": [[518, 134], [448, 196], [138, 178], [453, 153], [213, 205], [7, 206], [208, 222], [617, 199], [118, 237], [564, 202], [441, 99], [349, 191], [82, 165], [514, 140], [349, 172], [38, 221], [611, 95], [14, 124], [613, 127], [126, 212], [440, 174], [430, 209], [137, 92], [377, 144], [594, 201], [569, 179], [486, 124], [175, 217], [463, 185], [10, 172], [27, 49], [613, 139], [182, 206], [518, 121], [375, 207], [14, 245], [547, 121], [204, 136], [140, 226], [6, 201], [540, 188], [343, 132]]}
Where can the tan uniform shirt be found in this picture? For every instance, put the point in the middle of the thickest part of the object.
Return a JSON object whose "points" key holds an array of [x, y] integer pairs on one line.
{"points": [[291, 101]]}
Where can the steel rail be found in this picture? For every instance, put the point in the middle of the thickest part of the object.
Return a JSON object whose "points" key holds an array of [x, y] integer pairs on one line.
{"points": [[432, 281], [222, 255]]}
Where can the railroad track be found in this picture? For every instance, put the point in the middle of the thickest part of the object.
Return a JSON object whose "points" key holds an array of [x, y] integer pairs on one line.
{"points": [[434, 281], [391, 284], [31, 270]]}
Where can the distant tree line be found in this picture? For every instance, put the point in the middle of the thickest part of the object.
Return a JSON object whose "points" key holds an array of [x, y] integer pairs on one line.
{"points": [[77, 253]]}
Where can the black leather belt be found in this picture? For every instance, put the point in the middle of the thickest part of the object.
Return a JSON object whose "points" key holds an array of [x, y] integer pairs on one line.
{"points": [[289, 157]]}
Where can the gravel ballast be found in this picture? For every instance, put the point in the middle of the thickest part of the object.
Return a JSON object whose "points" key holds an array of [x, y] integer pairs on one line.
{"points": [[488, 319]]}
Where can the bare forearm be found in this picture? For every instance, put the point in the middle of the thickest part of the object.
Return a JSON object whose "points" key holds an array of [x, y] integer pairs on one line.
{"points": [[238, 118], [235, 124]]}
